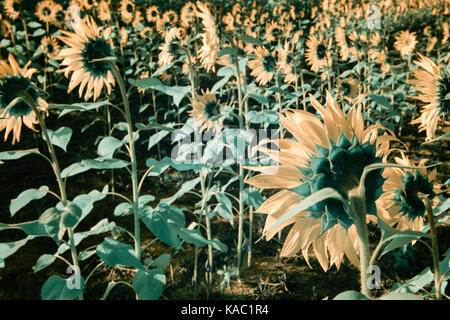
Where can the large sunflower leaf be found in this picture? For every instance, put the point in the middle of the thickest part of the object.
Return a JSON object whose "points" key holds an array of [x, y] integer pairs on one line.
{"points": [[25, 197], [149, 285], [113, 253], [60, 137], [58, 288]]}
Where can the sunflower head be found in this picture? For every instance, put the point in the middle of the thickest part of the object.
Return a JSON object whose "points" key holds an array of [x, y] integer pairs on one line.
{"points": [[127, 11], [60, 16], [411, 204], [87, 45], [328, 153], [402, 203], [45, 11], [264, 66], [152, 14], [13, 8], [206, 110], [318, 53], [17, 92], [50, 47], [405, 42], [433, 85]]}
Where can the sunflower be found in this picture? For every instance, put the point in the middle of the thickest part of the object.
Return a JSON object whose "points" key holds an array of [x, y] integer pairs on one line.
{"points": [[127, 11], [50, 47], [104, 12], [60, 16], [45, 11], [262, 18], [433, 84], [349, 88], [152, 14], [13, 109], [6, 28], [188, 13], [12, 8], [343, 42], [359, 45], [228, 21], [89, 4], [286, 63], [405, 42], [146, 33], [138, 18], [273, 32], [87, 44], [210, 41], [264, 66], [331, 152], [318, 54], [171, 16], [251, 28], [169, 48], [206, 110], [163, 25], [400, 204]]}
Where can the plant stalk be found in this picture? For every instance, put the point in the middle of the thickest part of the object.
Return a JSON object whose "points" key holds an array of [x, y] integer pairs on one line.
{"points": [[435, 248]]}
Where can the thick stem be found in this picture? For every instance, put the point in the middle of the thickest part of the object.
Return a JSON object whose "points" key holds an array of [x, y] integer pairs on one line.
{"points": [[134, 173], [208, 230], [27, 39], [241, 170], [435, 248], [61, 185], [357, 206]]}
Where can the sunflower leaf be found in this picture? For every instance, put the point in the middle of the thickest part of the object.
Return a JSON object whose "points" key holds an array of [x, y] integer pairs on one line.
{"points": [[60, 137], [108, 146], [25, 197], [58, 288], [113, 253], [16, 154], [149, 285], [402, 238]]}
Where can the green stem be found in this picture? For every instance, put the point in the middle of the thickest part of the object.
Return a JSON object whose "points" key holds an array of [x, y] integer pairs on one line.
{"points": [[57, 170], [357, 206], [435, 248], [241, 168], [132, 152], [208, 230]]}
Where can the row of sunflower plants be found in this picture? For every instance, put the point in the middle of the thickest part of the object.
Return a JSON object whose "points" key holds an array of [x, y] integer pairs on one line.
{"points": [[282, 69]]}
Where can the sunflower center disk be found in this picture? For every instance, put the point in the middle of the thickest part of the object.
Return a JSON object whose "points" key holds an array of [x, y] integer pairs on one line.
{"points": [[212, 109], [340, 168], [269, 63], [10, 89], [97, 49], [321, 51]]}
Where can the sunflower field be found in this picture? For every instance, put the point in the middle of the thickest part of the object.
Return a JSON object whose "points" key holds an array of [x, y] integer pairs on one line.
{"points": [[213, 149]]}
